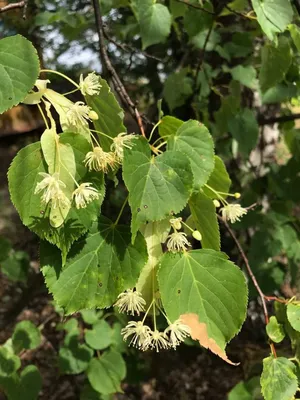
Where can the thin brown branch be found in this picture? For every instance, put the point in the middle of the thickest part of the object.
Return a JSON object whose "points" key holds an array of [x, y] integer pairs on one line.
{"points": [[12, 6], [273, 120], [252, 276], [196, 7], [274, 298], [131, 49], [236, 12], [203, 54], [118, 85]]}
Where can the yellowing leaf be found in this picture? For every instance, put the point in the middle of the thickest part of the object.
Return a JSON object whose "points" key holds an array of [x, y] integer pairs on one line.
{"points": [[199, 332]]}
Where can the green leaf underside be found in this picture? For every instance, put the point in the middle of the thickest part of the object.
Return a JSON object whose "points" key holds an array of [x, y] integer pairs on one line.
{"points": [[219, 180], [19, 69], [278, 379], [193, 139], [100, 266], [273, 15], [23, 177], [205, 218], [110, 114], [154, 20], [204, 282], [275, 330], [111, 368], [281, 56], [157, 185]]}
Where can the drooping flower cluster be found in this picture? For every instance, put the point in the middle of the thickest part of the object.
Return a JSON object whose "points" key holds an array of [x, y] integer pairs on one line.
{"points": [[140, 334], [119, 143], [84, 195], [90, 85], [99, 160]]}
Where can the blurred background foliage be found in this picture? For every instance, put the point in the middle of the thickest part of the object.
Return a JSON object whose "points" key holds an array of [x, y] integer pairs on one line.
{"points": [[208, 60]]}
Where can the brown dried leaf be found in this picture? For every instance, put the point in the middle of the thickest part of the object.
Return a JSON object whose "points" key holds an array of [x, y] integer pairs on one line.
{"points": [[199, 332]]}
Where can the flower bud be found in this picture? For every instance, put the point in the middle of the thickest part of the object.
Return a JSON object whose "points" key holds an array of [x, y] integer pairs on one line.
{"points": [[237, 195], [216, 203], [93, 115], [197, 235]]}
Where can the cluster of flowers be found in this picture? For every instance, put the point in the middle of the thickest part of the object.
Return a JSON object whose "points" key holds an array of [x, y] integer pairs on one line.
{"points": [[76, 117], [142, 336]]}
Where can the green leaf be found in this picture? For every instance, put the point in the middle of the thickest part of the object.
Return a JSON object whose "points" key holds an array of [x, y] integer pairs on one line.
{"points": [[205, 283], [245, 130], [278, 379], [249, 390], [279, 93], [245, 75], [9, 362], [117, 338], [195, 22], [275, 330], [99, 337], [88, 393], [157, 185], [23, 177], [99, 267], [154, 20], [16, 266], [213, 41], [293, 315], [106, 373], [19, 69], [295, 33], [178, 88], [29, 383], [5, 248], [110, 114], [273, 15], [194, 140], [219, 180], [281, 56], [204, 215], [26, 336], [169, 126], [91, 316], [74, 357]]}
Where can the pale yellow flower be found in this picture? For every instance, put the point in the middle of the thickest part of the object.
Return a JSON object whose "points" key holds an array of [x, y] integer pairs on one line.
{"points": [[84, 195], [99, 160], [90, 85], [78, 114], [177, 242], [130, 301], [121, 141], [156, 340], [138, 331], [50, 185], [233, 212], [177, 332]]}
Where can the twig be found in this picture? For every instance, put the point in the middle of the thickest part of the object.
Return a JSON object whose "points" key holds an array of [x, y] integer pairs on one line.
{"points": [[196, 7], [13, 6], [274, 120], [270, 298], [128, 48], [237, 13], [252, 276], [203, 54], [118, 85]]}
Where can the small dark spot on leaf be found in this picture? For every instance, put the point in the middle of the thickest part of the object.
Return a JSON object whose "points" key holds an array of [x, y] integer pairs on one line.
{"points": [[42, 212], [145, 206], [10, 98], [179, 291], [100, 284], [138, 210], [50, 234]]}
